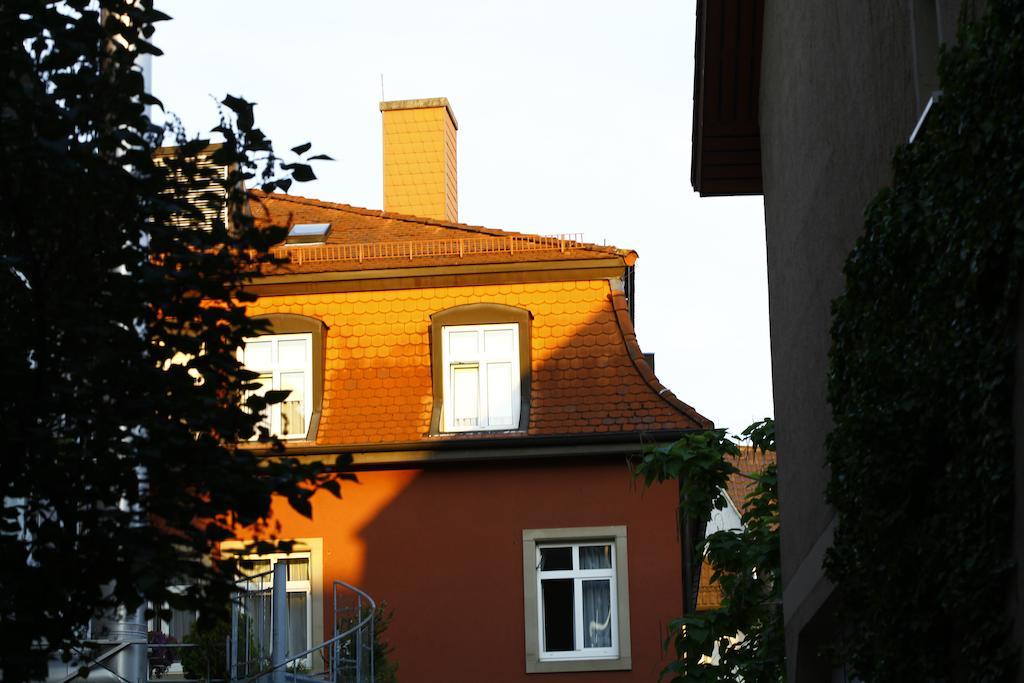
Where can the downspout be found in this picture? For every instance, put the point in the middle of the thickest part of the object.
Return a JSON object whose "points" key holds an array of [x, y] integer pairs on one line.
{"points": [[691, 534], [686, 552]]}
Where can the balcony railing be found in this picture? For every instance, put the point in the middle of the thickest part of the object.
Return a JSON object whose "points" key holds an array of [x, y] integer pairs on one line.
{"points": [[414, 249]]}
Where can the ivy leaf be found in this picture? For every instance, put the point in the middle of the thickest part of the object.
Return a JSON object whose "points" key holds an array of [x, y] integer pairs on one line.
{"points": [[302, 173], [243, 110]]}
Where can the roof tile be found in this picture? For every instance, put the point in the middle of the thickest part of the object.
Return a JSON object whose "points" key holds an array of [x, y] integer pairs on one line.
{"points": [[436, 242], [588, 374]]}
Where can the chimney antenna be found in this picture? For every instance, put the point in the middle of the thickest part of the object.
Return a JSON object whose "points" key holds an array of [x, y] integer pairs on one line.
{"points": [[382, 87]]}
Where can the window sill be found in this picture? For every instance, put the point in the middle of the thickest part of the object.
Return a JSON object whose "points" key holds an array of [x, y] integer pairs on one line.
{"points": [[541, 666], [478, 432]]}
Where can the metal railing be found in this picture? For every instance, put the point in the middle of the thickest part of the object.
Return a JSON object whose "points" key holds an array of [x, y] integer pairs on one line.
{"points": [[256, 651], [347, 657], [250, 645], [355, 613], [412, 249]]}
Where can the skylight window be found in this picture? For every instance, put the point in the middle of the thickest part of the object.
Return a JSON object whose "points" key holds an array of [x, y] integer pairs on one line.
{"points": [[308, 233]]}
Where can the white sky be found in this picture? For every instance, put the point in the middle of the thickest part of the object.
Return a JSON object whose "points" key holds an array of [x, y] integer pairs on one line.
{"points": [[574, 116]]}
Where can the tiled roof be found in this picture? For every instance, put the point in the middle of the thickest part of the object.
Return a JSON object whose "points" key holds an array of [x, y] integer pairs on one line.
{"points": [[588, 375], [432, 242], [709, 595], [750, 462]]}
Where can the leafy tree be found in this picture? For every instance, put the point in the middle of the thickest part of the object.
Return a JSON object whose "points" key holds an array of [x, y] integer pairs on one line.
{"points": [[121, 467], [743, 638]]}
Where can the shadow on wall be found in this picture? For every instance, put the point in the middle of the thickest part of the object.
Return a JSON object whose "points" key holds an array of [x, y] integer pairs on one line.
{"points": [[443, 545]]}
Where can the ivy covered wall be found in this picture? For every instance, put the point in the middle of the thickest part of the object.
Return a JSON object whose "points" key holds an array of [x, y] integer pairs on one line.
{"points": [[921, 382]]}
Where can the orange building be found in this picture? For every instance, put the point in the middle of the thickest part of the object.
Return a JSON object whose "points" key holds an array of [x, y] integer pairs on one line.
{"points": [[490, 390]]}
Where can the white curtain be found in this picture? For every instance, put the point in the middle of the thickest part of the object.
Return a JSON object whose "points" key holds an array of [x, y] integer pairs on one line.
{"points": [[597, 613]]}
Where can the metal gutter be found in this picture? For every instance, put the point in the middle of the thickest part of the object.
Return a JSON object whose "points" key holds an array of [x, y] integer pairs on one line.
{"points": [[422, 271], [496, 449]]}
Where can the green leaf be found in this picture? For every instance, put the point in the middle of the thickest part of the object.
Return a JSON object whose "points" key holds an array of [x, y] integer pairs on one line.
{"points": [[302, 173]]}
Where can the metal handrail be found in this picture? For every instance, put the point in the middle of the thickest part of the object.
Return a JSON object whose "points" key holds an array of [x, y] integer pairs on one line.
{"points": [[99, 659], [334, 640], [327, 643], [254, 584], [373, 603], [365, 620]]}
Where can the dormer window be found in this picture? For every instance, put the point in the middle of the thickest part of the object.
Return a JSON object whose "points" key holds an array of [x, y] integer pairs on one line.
{"points": [[481, 382], [284, 363], [480, 362], [289, 357]]}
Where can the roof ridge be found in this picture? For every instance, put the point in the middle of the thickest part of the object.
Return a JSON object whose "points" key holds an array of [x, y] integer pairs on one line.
{"points": [[378, 213], [625, 325]]}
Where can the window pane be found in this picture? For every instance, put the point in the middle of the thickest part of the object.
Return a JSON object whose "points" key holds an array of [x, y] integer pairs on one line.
{"points": [[291, 354], [264, 381], [554, 559], [293, 418], [557, 598], [256, 609], [499, 393], [298, 569], [297, 640], [259, 355], [253, 567], [465, 403], [597, 613], [181, 623], [463, 346], [499, 342], [595, 557]]}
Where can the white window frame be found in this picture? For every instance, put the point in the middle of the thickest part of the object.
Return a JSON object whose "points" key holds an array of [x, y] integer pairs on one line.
{"points": [[275, 370], [617, 657], [480, 360], [578, 576]]}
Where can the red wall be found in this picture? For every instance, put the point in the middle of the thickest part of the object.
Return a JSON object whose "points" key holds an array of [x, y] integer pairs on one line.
{"points": [[443, 548]]}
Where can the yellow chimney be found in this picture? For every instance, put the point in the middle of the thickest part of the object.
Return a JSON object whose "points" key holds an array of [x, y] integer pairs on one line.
{"points": [[419, 158]]}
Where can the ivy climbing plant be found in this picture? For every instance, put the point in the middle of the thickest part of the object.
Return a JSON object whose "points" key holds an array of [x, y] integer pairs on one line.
{"points": [[921, 381], [742, 639]]}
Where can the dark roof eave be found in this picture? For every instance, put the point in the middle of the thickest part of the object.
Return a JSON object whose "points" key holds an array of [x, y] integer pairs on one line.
{"points": [[436, 450], [726, 155]]}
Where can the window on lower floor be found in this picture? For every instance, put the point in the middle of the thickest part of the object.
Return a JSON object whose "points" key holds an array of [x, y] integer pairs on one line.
{"points": [[576, 599], [304, 591], [576, 592], [169, 625], [258, 600]]}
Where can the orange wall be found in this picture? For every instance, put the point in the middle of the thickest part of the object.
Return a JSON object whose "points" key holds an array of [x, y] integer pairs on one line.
{"points": [[443, 547]]}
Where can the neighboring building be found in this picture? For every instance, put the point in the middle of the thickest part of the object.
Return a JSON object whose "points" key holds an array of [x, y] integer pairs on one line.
{"points": [[806, 102], [739, 487], [490, 389]]}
